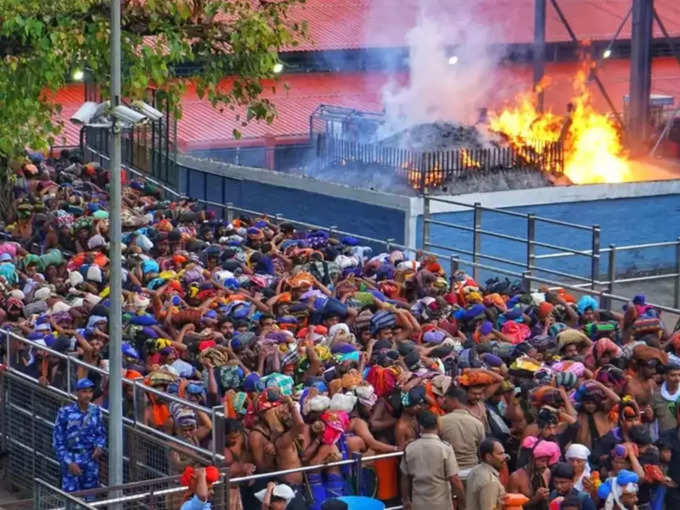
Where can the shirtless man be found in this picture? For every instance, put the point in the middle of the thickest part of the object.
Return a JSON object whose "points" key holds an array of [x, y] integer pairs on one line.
{"points": [[533, 481], [238, 458], [287, 453], [406, 429], [367, 444], [262, 446], [641, 385]]}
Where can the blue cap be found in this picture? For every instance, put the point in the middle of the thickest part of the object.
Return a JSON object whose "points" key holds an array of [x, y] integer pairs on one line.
{"points": [[84, 384]]}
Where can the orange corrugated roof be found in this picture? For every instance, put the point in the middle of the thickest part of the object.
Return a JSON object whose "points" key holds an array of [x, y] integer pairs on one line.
{"points": [[70, 98], [204, 127], [353, 24]]}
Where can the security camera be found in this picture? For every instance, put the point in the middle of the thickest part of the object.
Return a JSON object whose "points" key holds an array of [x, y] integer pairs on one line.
{"points": [[148, 110], [128, 115], [85, 113]]}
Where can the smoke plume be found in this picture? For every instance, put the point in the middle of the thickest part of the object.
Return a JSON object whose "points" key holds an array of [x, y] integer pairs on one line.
{"points": [[451, 68]]}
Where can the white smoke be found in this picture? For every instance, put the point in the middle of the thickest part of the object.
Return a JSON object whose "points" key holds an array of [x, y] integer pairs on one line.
{"points": [[451, 69]]}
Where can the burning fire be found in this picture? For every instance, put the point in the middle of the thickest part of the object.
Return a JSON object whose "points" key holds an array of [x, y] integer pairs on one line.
{"points": [[434, 177], [592, 147], [467, 160]]}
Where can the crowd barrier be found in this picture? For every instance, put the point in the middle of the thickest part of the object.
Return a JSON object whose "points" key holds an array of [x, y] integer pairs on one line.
{"points": [[48, 497], [600, 271], [166, 493], [29, 408]]}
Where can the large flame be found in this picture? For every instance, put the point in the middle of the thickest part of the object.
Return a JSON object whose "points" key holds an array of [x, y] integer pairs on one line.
{"points": [[592, 147]]}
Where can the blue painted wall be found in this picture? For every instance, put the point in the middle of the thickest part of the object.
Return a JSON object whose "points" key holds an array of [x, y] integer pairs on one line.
{"points": [[622, 222], [348, 215]]}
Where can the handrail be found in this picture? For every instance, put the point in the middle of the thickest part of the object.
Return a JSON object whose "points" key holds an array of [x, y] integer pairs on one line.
{"points": [[134, 383], [516, 214], [599, 293], [65, 495], [238, 479]]}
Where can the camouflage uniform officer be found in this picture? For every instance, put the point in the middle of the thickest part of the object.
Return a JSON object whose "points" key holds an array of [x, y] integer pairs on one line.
{"points": [[78, 440]]}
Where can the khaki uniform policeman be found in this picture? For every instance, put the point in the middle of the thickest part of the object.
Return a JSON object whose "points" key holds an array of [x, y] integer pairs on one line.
{"points": [[430, 464]]}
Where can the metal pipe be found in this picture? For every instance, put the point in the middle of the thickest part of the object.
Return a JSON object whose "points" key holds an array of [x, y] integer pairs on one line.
{"points": [[562, 223], [115, 389], [649, 278], [476, 240], [640, 74], [587, 253], [447, 224], [531, 234], [595, 261], [453, 266], [612, 275], [561, 273], [507, 237], [426, 218]]}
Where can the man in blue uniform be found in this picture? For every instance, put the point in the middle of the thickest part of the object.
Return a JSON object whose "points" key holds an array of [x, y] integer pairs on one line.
{"points": [[79, 439]]}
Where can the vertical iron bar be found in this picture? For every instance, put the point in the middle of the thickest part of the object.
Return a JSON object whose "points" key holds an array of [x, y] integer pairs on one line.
{"points": [[595, 261], [476, 239], [454, 264], [426, 221], [531, 237], [640, 73], [607, 304]]}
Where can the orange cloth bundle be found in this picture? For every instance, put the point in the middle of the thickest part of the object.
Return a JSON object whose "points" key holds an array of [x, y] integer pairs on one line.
{"points": [[475, 377]]}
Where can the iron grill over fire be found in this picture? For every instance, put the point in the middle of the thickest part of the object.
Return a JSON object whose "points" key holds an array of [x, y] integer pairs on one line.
{"points": [[433, 156]]}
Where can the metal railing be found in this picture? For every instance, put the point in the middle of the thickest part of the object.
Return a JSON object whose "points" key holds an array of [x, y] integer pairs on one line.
{"points": [[29, 409], [48, 497], [528, 244], [165, 489], [432, 169]]}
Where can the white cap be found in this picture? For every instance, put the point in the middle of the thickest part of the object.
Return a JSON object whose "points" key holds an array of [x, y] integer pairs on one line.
{"points": [[280, 491]]}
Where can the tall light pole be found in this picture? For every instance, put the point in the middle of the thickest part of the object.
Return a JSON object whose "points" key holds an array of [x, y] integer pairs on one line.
{"points": [[115, 311]]}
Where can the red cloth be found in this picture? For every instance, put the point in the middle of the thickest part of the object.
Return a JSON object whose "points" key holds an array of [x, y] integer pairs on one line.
{"points": [[517, 332]]}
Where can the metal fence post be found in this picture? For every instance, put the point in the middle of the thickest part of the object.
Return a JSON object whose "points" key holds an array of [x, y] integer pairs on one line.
{"points": [[356, 456], [453, 267], [676, 296], [595, 258], [388, 244], [526, 281], [476, 239], [68, 375], [225, 485], [331, 230], [230, 212], [607, 302], [531, 237], [426, 221]]}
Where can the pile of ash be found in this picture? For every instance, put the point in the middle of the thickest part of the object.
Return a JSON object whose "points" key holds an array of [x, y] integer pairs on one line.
{"points": [[442, 136]]}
